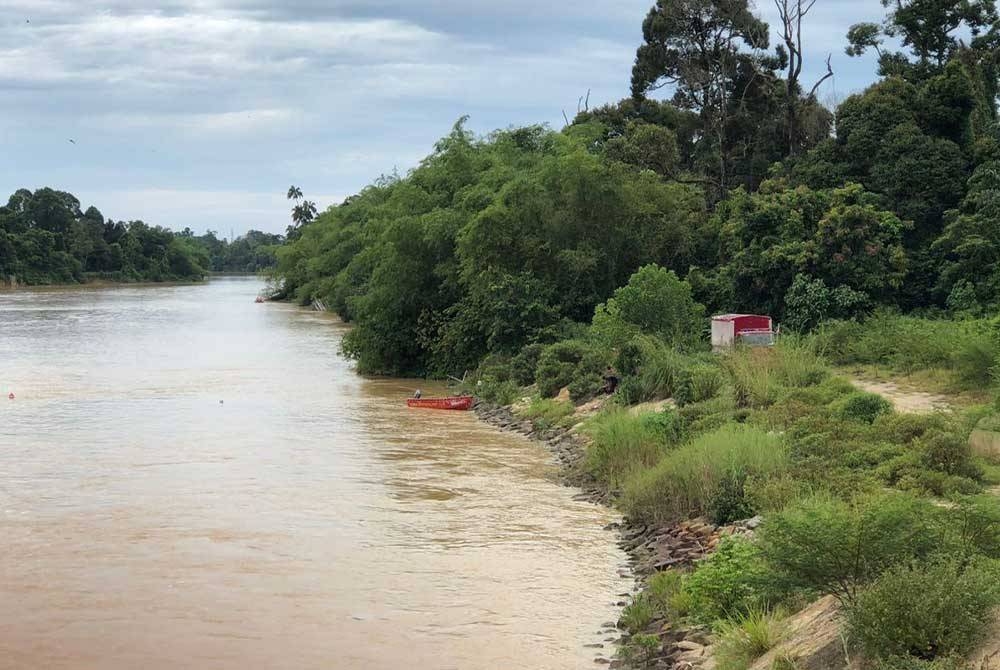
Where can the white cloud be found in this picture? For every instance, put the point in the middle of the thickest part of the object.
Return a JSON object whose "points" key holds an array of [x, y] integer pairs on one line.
{"points": [[239, 122], [200, 112]]}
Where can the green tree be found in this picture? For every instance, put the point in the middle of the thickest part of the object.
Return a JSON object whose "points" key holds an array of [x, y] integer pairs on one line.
{"points": [[654, 302], [929, 28]]}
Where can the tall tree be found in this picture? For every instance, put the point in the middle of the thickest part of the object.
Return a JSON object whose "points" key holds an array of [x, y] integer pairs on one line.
{"points": [[791, 14], [699, 48], [929, 28]]}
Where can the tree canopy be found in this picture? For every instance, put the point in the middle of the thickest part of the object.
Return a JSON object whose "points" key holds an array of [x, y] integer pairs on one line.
{"points": [[721, 169]]}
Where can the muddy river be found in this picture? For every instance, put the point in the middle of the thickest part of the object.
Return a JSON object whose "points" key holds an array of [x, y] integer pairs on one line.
{"points": [[192, 480]]}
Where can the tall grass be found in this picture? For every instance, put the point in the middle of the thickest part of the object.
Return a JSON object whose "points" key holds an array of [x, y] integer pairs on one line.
{"points": [[662, 371], [761, 376], [747, 638], [685, 480], [623, 444], [755, 381], [968, 348]]}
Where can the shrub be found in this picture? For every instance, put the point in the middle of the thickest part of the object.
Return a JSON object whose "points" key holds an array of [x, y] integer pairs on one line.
{"points": [[729, 502], [863, 407], [951, 662], [585, 386], [622, 444], [499, 392], [747, 638], [666, 590], [653, 302], [637, 615], [667, 424], [905, 428], [767, 494], [709, 414], [972, 528], [947, 452], [685, 480], [524, 364], [561, 363], [925, 611], [829, 546], [731, 582], [630, 358], [975, 360], [797, 364], [641, 649], [629, 392]]}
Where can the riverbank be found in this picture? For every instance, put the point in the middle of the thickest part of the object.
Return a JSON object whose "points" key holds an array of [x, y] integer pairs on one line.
{"points": [[98, 283], [776, 448]]}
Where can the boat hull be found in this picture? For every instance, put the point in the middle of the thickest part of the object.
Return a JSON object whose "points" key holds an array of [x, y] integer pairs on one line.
{"points": [[459, 403]]}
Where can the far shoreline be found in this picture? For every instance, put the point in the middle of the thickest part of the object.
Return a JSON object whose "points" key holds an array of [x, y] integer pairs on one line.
{"points": [[98, 283]]}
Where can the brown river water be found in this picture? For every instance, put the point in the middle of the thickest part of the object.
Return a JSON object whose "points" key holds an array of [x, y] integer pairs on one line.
{"points": [[308, 520]]}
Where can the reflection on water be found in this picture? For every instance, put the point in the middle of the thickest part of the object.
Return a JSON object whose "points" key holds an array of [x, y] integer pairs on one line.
{"points": [[192, 480]]}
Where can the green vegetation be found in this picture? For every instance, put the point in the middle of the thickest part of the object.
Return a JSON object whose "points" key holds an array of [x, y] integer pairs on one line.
{"points": [[926, 611], [46, 237], [687, 480], [623, 444], [545, 414], [731, 583], [664, 598], [746, 638], [253, 252]]}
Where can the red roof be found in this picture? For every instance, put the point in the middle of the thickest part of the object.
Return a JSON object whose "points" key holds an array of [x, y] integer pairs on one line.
{"points": [[733, 317]]}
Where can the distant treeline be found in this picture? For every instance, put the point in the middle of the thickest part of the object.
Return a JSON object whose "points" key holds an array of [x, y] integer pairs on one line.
{"points": [[46, 238], [252, 252]]}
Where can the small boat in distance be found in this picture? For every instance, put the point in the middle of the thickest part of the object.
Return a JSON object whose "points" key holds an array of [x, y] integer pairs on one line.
{"points": [[458, 403]]}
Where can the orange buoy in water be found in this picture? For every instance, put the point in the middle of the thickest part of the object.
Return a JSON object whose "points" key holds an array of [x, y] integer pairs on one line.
{"points": [[11, 395]]}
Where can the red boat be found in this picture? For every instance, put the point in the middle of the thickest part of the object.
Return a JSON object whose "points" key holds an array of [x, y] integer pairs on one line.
{"points": [[460, 402]]}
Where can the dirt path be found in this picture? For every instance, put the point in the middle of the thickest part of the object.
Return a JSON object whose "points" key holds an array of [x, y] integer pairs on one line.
{"points": [[907, 402]]}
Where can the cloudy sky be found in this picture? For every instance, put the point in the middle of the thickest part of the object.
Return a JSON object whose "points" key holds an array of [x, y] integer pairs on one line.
{"points": [[201, 113]]}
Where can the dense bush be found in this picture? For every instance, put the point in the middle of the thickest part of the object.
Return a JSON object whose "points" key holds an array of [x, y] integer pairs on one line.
{"points": [[947, 452], [926, 611], [863, 407], [731, 582], [909, 343], [661, 373], [564, 363], [830, 546], [730, 502], [525, 363], [685, 481], [697, 383]]}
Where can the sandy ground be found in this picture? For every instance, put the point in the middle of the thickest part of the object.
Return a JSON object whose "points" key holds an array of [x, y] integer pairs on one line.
{"points": [[909, 402]]}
